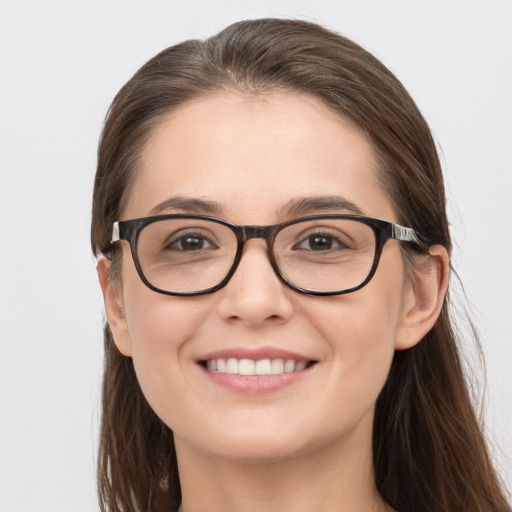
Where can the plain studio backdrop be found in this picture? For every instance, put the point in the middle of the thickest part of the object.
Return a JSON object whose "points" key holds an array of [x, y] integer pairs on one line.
{"points": [[61, 64]]}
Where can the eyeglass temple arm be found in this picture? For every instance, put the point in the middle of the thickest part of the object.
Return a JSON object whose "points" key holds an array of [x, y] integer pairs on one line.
{"points": [[406, 235]]}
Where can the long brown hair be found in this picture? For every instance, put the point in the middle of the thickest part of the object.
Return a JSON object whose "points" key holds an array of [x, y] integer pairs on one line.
{"points": [[429, 451]]}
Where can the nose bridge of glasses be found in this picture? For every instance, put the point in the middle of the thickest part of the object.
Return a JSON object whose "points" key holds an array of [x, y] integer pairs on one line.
{"points": [[264, 232]]}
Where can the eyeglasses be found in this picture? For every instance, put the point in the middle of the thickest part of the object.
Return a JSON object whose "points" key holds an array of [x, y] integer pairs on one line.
{"points": [[185, 254]]}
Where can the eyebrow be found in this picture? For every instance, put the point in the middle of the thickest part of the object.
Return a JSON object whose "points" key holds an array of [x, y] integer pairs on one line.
{"points": [[293, 208], [307, 205], [188, 204]]}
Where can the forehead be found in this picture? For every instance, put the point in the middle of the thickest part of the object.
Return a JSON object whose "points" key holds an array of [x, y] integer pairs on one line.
{"points": [[251, 155]]}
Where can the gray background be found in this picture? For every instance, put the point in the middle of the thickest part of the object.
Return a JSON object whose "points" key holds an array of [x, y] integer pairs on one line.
{"points": [[60, 65]]}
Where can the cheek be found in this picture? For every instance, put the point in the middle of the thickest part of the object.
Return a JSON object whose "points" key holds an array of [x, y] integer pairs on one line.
{"points": [[360, 331], [361, 335], [160, 322], [155, 321], [161, 330]]}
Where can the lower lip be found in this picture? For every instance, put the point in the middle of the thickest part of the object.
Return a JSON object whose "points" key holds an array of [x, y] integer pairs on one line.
{"points": [[255, 384]]}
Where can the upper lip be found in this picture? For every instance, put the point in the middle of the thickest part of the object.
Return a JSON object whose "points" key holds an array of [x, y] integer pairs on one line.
{"points": [[255, 354]]}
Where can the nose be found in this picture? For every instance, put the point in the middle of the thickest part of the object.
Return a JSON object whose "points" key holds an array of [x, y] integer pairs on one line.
{"points": [[255, 296]]}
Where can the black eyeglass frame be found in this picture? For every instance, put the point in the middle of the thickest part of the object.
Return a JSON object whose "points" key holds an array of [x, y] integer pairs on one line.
{"points": [[129, 230]]}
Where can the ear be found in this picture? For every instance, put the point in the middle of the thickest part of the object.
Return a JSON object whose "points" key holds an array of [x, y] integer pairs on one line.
{"points": [[424, 297], [113, 299]]}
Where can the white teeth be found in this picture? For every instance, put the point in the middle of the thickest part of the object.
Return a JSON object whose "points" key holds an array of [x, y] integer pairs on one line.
{"points": [[263, 367], [246, 367], [300, 366], [232, 365], [212, 365], [277, 366], [289, 366], [251, 367]]}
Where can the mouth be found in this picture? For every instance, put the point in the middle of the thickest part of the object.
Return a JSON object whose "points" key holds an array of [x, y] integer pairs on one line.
{"points": [[244, 366], [255, 371]]}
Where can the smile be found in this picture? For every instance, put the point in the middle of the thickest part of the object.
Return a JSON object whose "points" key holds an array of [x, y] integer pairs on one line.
{"points": [[235, 366], [255, 371]]}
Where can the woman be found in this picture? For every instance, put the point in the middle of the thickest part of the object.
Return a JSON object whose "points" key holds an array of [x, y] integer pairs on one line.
{"points": [[269, 216]]}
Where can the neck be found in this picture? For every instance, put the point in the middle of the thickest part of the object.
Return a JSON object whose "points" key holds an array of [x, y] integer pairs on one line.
{"points": [[332, 479]]}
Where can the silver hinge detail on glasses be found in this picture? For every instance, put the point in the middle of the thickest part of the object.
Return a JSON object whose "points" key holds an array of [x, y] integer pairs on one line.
{"points": [[405, 234], [115, 232]]}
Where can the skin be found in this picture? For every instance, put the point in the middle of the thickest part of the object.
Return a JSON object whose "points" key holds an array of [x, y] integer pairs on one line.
{"points": [[307, 446]]}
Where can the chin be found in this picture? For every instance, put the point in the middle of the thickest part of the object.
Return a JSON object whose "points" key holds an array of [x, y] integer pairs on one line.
{"points": [[262, 439]]}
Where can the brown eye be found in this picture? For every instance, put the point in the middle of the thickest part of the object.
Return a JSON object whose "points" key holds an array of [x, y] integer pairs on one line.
{"points": [[190, 242], [319, 242]]}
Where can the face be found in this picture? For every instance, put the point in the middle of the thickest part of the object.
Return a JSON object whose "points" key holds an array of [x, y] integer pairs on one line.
{"points": [[250, 160]]}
